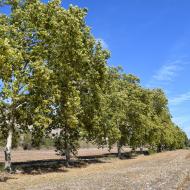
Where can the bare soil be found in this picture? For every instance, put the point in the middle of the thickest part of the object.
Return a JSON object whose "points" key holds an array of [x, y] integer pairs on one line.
{"points": [[167, 171], [44, 154]]}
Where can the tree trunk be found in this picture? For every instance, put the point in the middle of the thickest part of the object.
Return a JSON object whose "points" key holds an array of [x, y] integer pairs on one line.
{"points": [[141, 150], [67, 156], [67, 147], [119, 150], [7, 151], [159, 148], [133, 149]]}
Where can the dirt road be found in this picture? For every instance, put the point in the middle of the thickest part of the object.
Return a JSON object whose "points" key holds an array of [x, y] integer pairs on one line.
{"points": [[167, 171]]}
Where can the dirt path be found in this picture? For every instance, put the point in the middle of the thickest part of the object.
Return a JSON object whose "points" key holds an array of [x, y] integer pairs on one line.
{"points": [[167, 171]]}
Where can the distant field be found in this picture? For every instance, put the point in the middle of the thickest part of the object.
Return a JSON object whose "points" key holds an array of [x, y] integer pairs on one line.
{"points": [[167, 171], [30, 155]]}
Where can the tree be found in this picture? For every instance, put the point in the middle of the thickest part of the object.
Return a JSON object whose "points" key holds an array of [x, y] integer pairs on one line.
{"points": [[25, 96], [122, 111], [78, 64], [54, 75], [164, 135]]}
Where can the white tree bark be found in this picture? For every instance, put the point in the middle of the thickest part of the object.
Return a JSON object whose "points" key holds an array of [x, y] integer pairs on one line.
{"points": [[8, 151]]}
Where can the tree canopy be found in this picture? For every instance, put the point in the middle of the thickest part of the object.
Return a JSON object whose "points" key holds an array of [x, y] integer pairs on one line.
{"points": [[54, 75]]}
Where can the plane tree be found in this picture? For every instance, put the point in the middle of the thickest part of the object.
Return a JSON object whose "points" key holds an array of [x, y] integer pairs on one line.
{"points": [[25, 95]]}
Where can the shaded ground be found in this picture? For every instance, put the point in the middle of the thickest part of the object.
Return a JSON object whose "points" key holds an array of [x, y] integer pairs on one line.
{"points": [[45, 161], [169, 170]]}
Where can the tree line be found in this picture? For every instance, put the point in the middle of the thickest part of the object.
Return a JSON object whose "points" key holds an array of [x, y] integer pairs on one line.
{"points": [[54, 76]]}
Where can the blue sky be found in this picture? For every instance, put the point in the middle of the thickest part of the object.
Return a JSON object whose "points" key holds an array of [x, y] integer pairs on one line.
{"points": [[150, 39]]}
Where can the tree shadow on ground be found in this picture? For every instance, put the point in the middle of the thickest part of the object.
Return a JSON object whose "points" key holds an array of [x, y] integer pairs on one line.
{"points": [[128, 155], [107, 156], [37, 167]]}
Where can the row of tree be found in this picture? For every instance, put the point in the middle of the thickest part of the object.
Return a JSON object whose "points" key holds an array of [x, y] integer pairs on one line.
{"points": [[54, 76]]}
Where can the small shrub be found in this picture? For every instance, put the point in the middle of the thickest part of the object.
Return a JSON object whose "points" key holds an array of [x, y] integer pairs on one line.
{"points": [[150, 151]]}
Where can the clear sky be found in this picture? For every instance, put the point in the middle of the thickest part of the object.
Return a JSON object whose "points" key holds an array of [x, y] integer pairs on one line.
{"points": [[148, 38]]}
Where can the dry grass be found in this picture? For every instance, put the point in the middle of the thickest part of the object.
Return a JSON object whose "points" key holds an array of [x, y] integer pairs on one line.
{"points": [[188, 156], [159, 171], [185, 184]]}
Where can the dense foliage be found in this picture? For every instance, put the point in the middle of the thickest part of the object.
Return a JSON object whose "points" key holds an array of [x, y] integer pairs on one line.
{"points": [[54, 76]]}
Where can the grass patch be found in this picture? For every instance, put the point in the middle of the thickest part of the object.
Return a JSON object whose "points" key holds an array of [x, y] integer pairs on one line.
{"points": [[151, 151]]}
